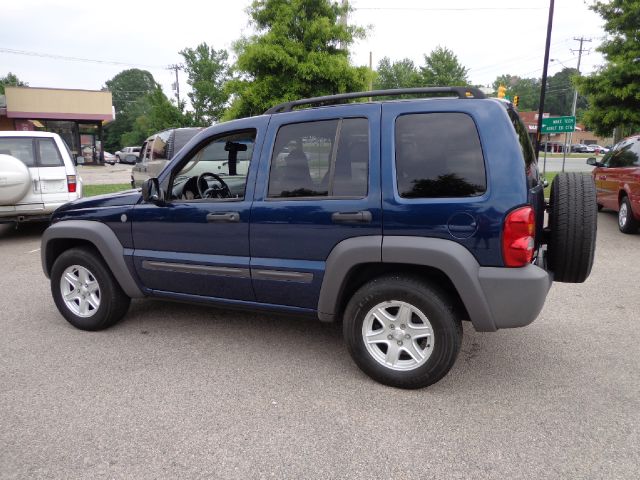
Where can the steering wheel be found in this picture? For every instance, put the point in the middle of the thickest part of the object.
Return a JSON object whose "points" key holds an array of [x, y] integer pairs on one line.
{"points": [[217, 191]]}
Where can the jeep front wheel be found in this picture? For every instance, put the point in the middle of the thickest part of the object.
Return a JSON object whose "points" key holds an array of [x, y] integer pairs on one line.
{"points": [[401, 331], [85, 291]]}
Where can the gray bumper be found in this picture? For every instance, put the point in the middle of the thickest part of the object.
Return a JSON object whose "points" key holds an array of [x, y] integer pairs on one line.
{"points": [[515, 296]]}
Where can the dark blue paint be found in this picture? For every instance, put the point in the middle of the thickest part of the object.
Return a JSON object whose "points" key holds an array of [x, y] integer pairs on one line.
{"points": [[297, 235]]}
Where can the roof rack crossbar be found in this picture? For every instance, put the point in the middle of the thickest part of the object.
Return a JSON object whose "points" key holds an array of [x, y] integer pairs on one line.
{"points": [[461, 92]]}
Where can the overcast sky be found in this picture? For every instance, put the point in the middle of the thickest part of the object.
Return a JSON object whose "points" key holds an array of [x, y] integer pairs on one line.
{"points": [[490, 37]]}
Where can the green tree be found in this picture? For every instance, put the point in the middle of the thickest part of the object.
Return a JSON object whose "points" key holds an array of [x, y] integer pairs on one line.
{"points": [[152, 113], [442, 68], [208, 71], [613, 91], [400, 74], [128, 89], [300, 50], [128, 86], [11, 80], [528, 89], [560, 93]]}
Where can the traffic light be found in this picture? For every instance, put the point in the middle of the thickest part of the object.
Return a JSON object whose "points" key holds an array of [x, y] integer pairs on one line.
{"points": [[516, 100], [502, 91]]}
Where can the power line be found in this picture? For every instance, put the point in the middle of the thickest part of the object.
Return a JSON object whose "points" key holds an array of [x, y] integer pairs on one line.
{"points": [[449, 9], [76, 59]]}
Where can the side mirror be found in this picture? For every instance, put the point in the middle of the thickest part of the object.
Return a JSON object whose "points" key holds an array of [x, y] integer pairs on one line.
{"points": [[545, 182], [151, 192], [593, 161]]}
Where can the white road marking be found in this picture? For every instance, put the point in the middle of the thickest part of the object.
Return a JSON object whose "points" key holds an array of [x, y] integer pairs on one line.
{"points": [[34, 251]]}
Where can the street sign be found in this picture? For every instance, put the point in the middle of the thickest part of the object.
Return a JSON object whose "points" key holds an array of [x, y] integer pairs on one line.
{"points": [[558, 124]]}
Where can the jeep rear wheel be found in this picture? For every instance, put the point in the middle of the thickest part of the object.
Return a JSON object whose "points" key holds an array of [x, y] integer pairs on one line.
{"points": [[401, 331], [573, 221], [85, 291]]}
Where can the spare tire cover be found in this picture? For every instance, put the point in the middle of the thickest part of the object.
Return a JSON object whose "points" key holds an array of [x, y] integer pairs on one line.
{"points": [[14, 180]]}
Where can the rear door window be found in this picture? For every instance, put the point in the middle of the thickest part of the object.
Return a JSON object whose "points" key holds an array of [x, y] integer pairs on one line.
{"points": [[328, 158], [48, 154], [438, 155], [20, 148]]}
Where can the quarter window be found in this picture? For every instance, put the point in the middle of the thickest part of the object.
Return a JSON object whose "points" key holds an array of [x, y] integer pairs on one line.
{"points": [[20, 148], [48, 153], [438, 155], [327, 158]]}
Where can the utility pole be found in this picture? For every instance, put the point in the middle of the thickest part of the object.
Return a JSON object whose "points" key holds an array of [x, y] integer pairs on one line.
{"points": [[543, 89], [176, 86], [575, 93]]}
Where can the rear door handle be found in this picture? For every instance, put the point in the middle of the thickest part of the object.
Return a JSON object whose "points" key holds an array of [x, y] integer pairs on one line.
{"points": [[351, 217], [226, 217]]}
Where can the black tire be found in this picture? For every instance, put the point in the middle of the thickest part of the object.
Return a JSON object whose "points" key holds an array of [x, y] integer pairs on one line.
{"points": [[429, 300], [573, 221], [626, 221], [113, 303]]}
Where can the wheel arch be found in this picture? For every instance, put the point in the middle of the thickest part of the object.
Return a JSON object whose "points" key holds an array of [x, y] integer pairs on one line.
{"points": [[365, 272], [354, 261], [62, 236]]}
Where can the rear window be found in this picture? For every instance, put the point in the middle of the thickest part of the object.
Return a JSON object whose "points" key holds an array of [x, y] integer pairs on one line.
{"points": [[48, 153], [438, 155], [20, 148]]}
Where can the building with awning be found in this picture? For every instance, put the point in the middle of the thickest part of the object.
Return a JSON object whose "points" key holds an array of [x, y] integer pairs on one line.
{"points": [[76, 115]]}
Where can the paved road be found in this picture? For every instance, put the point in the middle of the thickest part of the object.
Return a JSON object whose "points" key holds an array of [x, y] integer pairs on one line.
{"points": [[177, 391], [571, 164]]}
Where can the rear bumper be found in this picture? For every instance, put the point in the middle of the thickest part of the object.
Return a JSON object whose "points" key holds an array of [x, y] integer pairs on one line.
{"points": [[515, 296]]}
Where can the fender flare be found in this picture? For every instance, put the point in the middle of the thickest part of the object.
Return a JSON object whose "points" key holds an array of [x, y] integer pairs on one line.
{"points": [[451, 258], [102, 238]]}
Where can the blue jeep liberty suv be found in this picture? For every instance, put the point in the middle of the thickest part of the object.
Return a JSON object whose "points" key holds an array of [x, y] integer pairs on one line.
{"points": [[400, 218]]}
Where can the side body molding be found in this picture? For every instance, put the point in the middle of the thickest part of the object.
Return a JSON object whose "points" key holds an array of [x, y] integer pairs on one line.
{"points": [[103, 238]]}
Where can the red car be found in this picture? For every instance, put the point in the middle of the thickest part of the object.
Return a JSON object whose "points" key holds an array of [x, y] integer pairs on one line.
{"points": [[617, 179]]}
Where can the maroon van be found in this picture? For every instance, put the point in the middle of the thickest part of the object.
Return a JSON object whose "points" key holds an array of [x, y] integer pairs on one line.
{"points": [[617, 179]]}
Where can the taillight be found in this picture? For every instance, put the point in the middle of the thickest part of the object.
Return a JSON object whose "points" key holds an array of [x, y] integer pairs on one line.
{"points": [[71, 183], [517, 237]]}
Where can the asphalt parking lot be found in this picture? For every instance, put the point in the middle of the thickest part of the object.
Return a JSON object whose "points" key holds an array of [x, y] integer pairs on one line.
{"points": [[179, 391]]}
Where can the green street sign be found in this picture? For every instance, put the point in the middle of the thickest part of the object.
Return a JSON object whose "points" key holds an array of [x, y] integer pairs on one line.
{"points": [[558, 124]]}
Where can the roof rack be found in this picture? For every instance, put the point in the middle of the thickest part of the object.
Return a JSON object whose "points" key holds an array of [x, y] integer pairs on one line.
{"points": [[461, 92]]}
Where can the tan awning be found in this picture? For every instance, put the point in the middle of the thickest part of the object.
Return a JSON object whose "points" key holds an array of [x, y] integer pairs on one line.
{"points": [[58, 104]]}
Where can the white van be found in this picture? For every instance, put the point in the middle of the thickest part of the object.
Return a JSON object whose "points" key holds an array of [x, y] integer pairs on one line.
{"points": [[37, 175]]}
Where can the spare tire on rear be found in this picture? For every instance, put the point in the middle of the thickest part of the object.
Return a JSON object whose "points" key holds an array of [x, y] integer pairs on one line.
{"points": [[14, 180], [573, 224]]}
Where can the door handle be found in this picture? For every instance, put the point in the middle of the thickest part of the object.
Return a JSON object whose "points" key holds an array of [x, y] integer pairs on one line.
{"points": [[226, 217], [351, 217]]}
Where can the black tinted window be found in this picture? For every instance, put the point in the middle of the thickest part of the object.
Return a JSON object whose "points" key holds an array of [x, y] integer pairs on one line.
{"points": [[48, 152], [20, 148], [438, 155], [626, 155], [321, 159]]}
